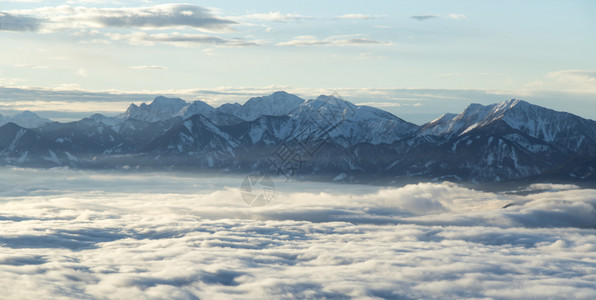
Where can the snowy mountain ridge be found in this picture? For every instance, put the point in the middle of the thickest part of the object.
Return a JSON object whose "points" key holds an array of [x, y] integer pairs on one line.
{"points": [[326, 137], [535, 121], [277, 104]]}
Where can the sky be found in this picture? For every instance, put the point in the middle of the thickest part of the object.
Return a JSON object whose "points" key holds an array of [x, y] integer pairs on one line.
{"points": [[417, 59], [84, 234]]}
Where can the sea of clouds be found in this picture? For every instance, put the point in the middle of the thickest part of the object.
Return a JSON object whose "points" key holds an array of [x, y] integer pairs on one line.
{"points": [[94, 235]]}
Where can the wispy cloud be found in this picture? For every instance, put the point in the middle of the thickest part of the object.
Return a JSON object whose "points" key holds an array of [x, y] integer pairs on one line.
{"points": [[273, 17], [583, 76], [434, 16], [309, 40], [355, 17], [161, 16], [11, 81], [12, 22], [424, 17], [73, 2], [158, 16], [178, 39], [148, 67], [82, 72], [21, 1], [32, 66], [78, 110], [470, 74], [578, 80], [456, 16], [381, 104], [370, 55]]}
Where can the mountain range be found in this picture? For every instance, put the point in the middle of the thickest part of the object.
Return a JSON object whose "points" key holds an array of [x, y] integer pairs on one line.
{"points": [[326, 137]]}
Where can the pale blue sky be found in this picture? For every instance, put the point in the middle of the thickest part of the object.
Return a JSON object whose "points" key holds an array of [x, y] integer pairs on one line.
{"points": [[369, 51]]}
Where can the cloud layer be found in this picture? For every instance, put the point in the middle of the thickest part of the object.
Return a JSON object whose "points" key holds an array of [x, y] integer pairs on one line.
{"points": [[9, 22], [164, 24], [150, 236], [103, 25], [159, 16]]}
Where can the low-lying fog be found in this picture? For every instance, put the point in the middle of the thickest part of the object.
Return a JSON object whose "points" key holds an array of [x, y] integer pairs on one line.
{"points": [[82, 234]]}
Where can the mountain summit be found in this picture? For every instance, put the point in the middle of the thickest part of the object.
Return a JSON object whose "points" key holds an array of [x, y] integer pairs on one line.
{"points": [[26, 119], [276, 104], [161, 108]]}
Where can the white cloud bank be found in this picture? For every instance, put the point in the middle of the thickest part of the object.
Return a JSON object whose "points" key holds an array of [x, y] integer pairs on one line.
{"points": [[152, 236]]}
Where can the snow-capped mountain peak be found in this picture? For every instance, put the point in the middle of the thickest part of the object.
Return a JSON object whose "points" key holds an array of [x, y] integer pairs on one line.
{"points": [[533, 120], [25, 119], [445, 118], [549, 125], [474, 116], [439, 126], [277, 104], [326, 105], [564, 129], [110, 121], [354, 123], [132, 109], [161, 108], [480, 113], [332, 105], [229, 108], [168, 103], [166, 106], [196, 107], [508, 104]]}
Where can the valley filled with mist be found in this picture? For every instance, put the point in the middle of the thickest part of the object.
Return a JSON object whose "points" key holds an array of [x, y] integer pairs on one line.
{"points": [[93, 234]]}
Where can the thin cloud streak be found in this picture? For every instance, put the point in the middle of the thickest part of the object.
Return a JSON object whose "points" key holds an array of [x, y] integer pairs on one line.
{"points": [[425, 17], [433, 16], [273, 17], [330, 41], [470, 74], [456, 16], [355, 17], [158, 16], [31, 66], [583, 76], [178, 39], [149, 67]]}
